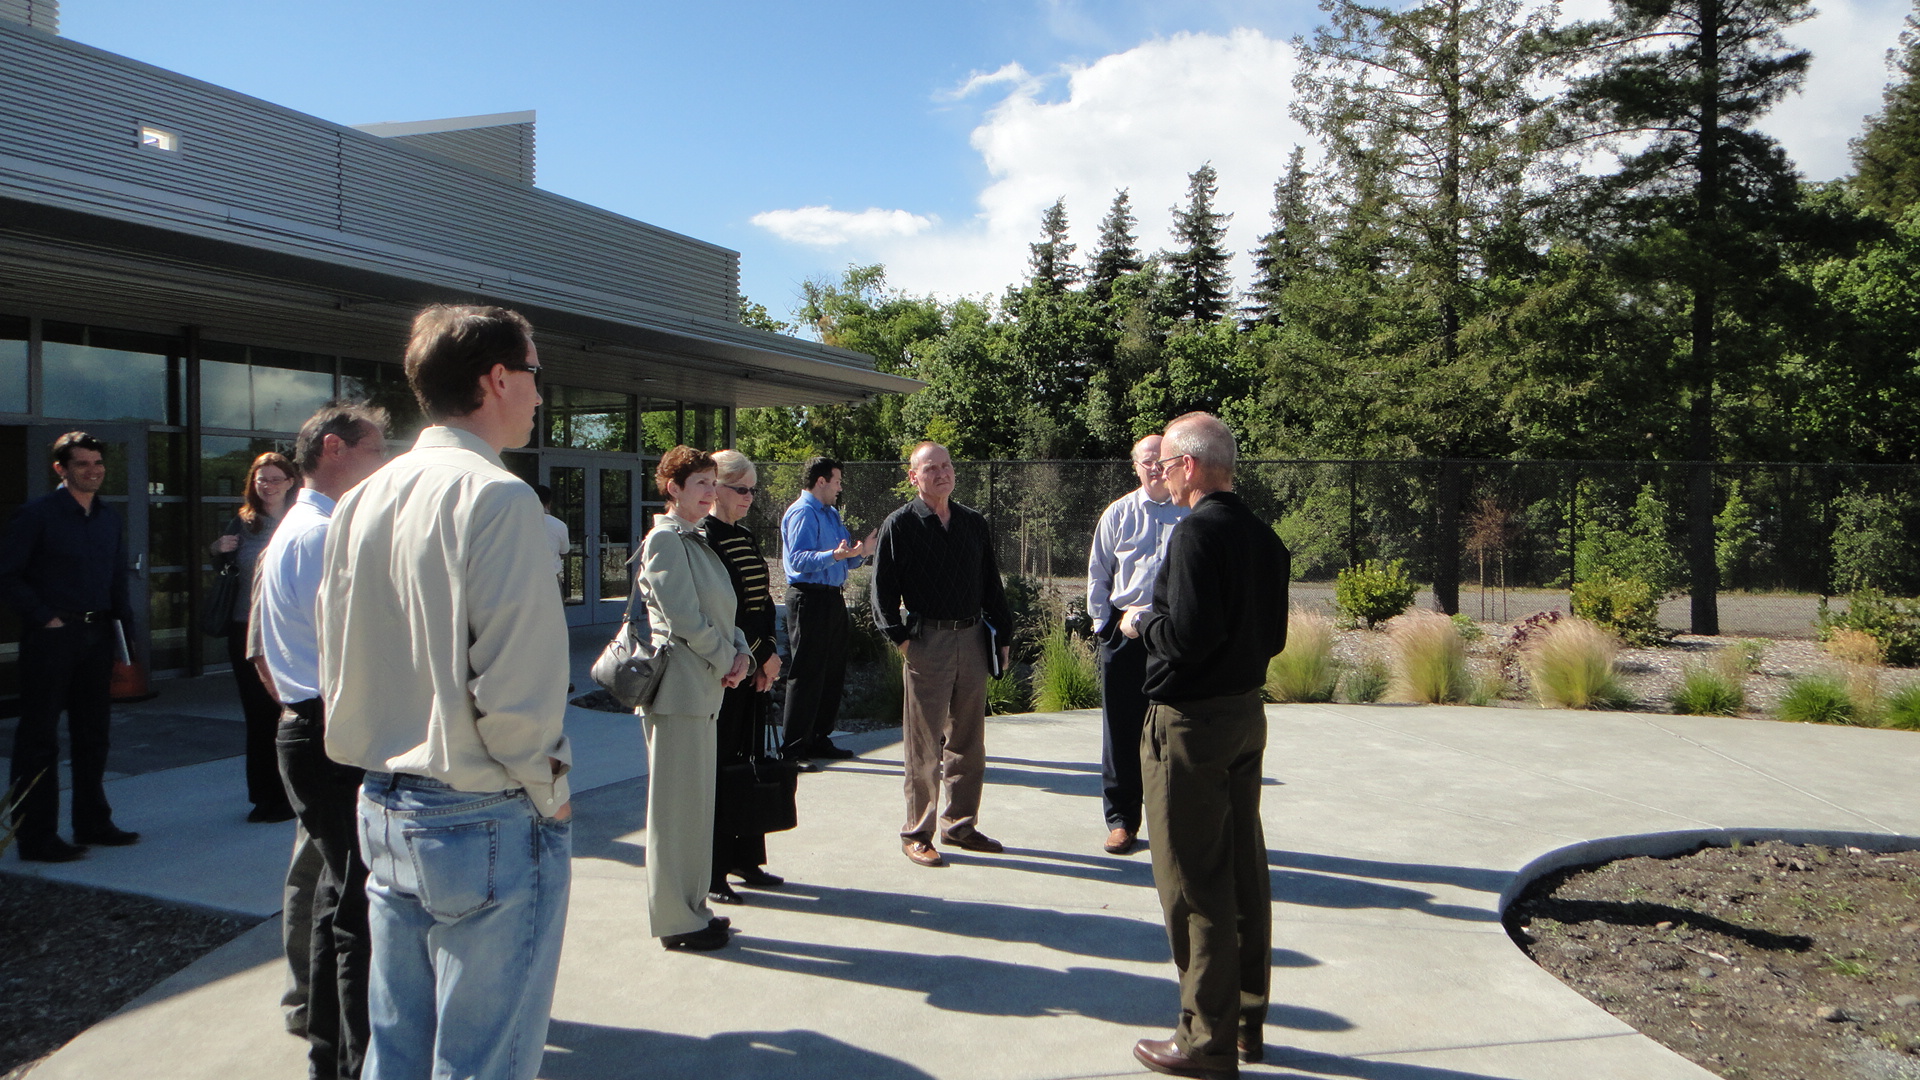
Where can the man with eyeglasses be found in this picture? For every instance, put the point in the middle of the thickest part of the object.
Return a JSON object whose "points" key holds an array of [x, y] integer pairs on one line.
{"points": [[1127, 548], [443, 668], [816, 552], [1219, 613]]}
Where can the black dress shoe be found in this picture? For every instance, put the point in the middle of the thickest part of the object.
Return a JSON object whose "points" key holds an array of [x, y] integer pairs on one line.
{"points": [[831, 752], [753, 877], [805, 764], [1252, 1042], [54, 850], [1163, 1056], [719, 922], [268, 815], [723, 893], [107, 837], [713, 937]]}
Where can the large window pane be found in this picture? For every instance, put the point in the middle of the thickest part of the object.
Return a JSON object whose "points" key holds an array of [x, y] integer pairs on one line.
{"points": [[384, 385], [616, 531], [13, 364], [569, 484], [288, 387], [92, 374], [589, 419], [224, 460], [166, 463], [226, 395]]}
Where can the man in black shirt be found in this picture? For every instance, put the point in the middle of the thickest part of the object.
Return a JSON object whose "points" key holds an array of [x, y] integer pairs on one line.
{"points": [[1219, 614], [63, 567], [936, 556]]}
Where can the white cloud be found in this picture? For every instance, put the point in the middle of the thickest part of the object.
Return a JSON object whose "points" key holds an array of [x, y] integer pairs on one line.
{"points": [[1008, 74], [1140, 119], [1849, 40], [823, 226]]}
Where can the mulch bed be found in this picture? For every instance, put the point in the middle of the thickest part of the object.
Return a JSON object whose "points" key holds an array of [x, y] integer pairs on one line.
{"points": [[70, 956], [1764, 962]]}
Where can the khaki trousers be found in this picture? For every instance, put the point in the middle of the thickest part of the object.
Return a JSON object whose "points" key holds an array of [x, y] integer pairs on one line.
{"points": [[943, 721], [681, 764], [1201, 771]]}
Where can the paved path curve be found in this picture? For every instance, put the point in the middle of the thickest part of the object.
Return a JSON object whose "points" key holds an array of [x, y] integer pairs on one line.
{"points": [[1395, 834]]}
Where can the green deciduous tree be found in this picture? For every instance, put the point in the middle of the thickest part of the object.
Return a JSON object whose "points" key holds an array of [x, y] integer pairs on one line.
{"points": [[1886, 157]]}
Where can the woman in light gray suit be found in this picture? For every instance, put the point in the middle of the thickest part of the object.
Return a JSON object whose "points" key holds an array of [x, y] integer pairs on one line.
{"points": [[690, 602]]}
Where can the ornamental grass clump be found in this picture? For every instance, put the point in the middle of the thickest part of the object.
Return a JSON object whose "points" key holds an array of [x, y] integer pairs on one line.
{"points": [[1708, 690], [1305, 670], [1572, 666], [1066, 676], [1903, 708], [1431, 659], [1818, 699], [1367, 682]]}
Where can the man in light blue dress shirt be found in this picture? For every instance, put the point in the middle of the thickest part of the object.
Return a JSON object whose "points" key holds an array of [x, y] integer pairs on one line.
{"points": [[817, 551], [1127, 548]]}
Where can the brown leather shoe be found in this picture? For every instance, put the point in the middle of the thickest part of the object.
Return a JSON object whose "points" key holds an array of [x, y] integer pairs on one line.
{"points": [[1162, 1056], [1120, 842], [975, 841], [922, 852]]}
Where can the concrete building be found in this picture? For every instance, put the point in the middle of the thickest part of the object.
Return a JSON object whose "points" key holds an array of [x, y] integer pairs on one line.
{"points": [[187, 272]]}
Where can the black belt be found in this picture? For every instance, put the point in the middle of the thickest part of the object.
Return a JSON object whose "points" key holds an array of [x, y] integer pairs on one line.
{"points": [[312, 709], [84, 618], [813, 586], [951, 624]]}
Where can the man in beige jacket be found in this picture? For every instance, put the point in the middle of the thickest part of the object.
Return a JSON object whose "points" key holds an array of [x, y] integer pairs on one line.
{"points": [[443, 664]]}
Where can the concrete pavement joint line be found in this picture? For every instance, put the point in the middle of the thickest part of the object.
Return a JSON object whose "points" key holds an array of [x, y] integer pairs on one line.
{"points": [[1537, 772], [1755, 769], [1287, 1051], [1455, 811]]}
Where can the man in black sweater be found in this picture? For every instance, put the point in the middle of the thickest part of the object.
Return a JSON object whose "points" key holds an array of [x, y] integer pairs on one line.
{"points": [[1219, 614]]}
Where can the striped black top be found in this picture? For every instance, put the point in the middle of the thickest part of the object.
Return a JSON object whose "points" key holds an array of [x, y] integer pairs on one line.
{"points": [[753, 607]]}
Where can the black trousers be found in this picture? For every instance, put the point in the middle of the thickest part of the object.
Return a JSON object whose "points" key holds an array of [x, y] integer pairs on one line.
{"points": [[817, 632], [1202, 763], [738, 736], [326, 795], [264, 788], [68, 669], [1123, 708]]}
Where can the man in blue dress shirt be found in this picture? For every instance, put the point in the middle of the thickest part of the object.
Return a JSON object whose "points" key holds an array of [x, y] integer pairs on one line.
{"points": [[64, 569], [817, 553]]}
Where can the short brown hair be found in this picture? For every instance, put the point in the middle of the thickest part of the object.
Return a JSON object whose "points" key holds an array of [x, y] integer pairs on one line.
{"points": [[454, 345], [679, 463], [347, 419], [65, 445]]}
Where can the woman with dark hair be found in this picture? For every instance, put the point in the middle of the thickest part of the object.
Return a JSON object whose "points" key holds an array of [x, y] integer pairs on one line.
{"points": [[690, 602], [743, 711], [271, 483]]}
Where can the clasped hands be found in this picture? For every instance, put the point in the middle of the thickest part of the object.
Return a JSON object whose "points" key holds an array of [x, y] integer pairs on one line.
{"points": [[1130, 620]]}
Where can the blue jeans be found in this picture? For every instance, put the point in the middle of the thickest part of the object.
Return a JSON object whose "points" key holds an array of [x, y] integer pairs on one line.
{"points": [[467, 904]]}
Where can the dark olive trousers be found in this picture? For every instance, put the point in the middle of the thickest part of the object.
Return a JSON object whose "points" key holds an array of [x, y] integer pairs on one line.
{"points": [[1201, 770]]}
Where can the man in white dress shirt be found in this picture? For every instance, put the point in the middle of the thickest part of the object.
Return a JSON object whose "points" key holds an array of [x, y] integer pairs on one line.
{"points": [[338, 447], [443, 662], [1127, 548]]}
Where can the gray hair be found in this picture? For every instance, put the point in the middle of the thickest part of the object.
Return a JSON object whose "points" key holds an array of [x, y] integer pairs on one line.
{"points": [[342, 418], [732, 465], [1203, 437]]}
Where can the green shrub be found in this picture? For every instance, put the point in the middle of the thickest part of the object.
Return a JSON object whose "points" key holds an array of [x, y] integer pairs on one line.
{"points": [[1470, 631], [1006, 694], [1314, 528], [1305, 670], [1903, 708], [1432, 658], [1367, 682], [1571, 665], [1624, 606], [1708, 690], [881, 698], [1031, 618], [1894, 623], [1818, 699], [1374, 591], [1736, 536], [1067, 675], [1746, 654], [1872, 546], [1637, 547]]}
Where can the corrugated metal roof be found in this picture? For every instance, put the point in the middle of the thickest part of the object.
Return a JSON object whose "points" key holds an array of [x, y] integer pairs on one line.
{"points": [[39, 14], [262, 198], [504, 150]]}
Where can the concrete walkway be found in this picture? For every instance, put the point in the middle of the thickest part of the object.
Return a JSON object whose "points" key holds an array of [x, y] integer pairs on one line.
{"points": [[1396, 834]]}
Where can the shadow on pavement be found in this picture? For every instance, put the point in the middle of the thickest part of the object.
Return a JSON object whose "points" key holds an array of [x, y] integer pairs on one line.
{"points": [[594, 1051], [1310, 1063], [996, 988], [1109, 937], [1467, 877]]}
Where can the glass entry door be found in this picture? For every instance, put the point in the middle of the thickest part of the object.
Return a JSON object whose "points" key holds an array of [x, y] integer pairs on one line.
{"points": [[595, 497]]}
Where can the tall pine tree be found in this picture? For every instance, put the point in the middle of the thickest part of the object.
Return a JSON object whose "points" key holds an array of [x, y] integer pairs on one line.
{"points": [[1283, 253], [1050, 262], [1886, 158], [1119, 252], [1199, 264]]}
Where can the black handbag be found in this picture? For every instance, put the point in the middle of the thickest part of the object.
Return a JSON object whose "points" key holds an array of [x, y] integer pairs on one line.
{"points": [[217, 618], [630, 667], [757, 795]]}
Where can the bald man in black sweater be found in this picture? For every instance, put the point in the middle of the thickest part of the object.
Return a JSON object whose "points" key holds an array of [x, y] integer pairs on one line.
{"points": [[1219, 614]]}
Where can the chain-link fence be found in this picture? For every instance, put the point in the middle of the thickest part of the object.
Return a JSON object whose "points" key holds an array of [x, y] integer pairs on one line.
{"points": [[1497, 540]]}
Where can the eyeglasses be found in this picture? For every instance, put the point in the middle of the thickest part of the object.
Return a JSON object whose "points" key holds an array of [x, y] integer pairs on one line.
{"points": [[531, 369], [276, 482], [749, 492], [1162, 463]]}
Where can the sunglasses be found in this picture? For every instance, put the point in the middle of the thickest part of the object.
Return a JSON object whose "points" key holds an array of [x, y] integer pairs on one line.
{"points": [[749, 492], [531, 369]]}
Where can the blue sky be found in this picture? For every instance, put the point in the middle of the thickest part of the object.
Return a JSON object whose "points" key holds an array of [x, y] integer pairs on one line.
{"points": [[810, 135]]}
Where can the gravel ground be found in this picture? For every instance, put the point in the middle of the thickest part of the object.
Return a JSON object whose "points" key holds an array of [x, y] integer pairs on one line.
{"points": [[1764, 962]]}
